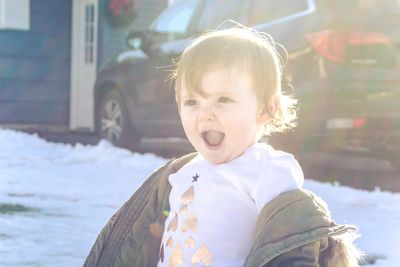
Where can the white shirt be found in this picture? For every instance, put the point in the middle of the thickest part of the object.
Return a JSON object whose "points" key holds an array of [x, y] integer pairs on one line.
{"points": [[214, 207]]}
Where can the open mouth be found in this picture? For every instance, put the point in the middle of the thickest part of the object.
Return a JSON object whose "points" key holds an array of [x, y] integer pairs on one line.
{"points": [[213, 138]]}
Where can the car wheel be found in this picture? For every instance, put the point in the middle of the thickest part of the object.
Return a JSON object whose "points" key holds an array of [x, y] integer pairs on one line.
{"points": [[113, 122]]}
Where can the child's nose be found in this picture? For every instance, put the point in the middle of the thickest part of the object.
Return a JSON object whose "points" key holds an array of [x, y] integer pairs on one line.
{"points": [[207, 114]]}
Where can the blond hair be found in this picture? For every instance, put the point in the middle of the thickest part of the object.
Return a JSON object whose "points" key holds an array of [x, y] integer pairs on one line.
{"points": [[238, 49]]}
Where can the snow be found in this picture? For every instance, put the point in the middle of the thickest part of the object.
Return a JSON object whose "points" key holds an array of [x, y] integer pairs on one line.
{"points": [[69, 193]]}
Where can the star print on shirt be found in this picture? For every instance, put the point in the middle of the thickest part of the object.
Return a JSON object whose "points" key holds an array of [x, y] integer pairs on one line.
{"points": [[195, 178]]}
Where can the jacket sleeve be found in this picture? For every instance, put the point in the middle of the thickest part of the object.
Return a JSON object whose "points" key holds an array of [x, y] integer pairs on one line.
{"points": [[94, 254], [106, 242], [110, 241], [293, 230], [304, 256]]}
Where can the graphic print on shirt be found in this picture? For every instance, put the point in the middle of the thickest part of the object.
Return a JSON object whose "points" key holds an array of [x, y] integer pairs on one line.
{"points": [[182, 209], [173, 224], [195, 178], [190, 243], [185, 221], [188, 196], [176, 256], [170, 242], [190, 223], [202, 255]]}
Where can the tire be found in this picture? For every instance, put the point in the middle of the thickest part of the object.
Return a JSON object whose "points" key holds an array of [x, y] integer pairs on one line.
{"points": [[113, 122]]}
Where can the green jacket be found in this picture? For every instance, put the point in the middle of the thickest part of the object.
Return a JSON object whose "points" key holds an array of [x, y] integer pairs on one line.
{"points": [[294, 229]]}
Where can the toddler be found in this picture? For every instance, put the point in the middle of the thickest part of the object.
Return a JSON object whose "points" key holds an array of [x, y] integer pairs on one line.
{"points": [[235, 202]]}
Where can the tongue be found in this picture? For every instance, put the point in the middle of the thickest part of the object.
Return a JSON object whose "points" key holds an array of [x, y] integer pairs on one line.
{"points": [[214, 138]]}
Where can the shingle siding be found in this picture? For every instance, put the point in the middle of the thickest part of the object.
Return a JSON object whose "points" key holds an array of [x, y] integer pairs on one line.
{"points": [[35, 66]]}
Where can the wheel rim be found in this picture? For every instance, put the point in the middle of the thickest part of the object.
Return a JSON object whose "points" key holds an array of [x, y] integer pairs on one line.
{"points": [[111, 121]]}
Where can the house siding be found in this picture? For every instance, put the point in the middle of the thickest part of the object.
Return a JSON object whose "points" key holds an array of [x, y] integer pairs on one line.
{"points": [[35, 66]]}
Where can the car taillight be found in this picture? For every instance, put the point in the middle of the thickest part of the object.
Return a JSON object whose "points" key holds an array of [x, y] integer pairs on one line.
{"points": [[330, 44], [368, 38], [359, 122], [333, 45]]}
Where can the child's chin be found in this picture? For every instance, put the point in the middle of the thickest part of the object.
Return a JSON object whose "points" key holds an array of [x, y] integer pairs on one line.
{"points": [[216, 158]]}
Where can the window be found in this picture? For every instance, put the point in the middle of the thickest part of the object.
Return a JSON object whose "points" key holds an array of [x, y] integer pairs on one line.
{"points": [[176, 19], [263, 11], [89, 33], [215, 12], [14, 14]]}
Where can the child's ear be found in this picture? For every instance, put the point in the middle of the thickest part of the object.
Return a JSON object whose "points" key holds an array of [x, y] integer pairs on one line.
{"points": [[268, 113]]}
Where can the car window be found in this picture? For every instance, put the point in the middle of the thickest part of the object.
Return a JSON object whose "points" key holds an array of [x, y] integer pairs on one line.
{"points": [[176, 19], [262, 11], [215, 12]]}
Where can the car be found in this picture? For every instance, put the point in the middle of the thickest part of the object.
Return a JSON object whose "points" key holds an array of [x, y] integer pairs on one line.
{"points": [[134, 101], [341, 62], [348, 87]]}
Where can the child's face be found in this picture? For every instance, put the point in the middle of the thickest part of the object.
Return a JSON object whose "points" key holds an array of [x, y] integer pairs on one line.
{"points": [[222, 124]]}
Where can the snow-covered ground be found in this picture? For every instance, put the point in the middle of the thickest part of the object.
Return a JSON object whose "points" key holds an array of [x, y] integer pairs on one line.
{"points": [[55, 198]]}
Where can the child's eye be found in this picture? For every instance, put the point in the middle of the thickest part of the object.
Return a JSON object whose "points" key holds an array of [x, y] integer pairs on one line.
{"points": [[189, 102], [225, 99]]}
